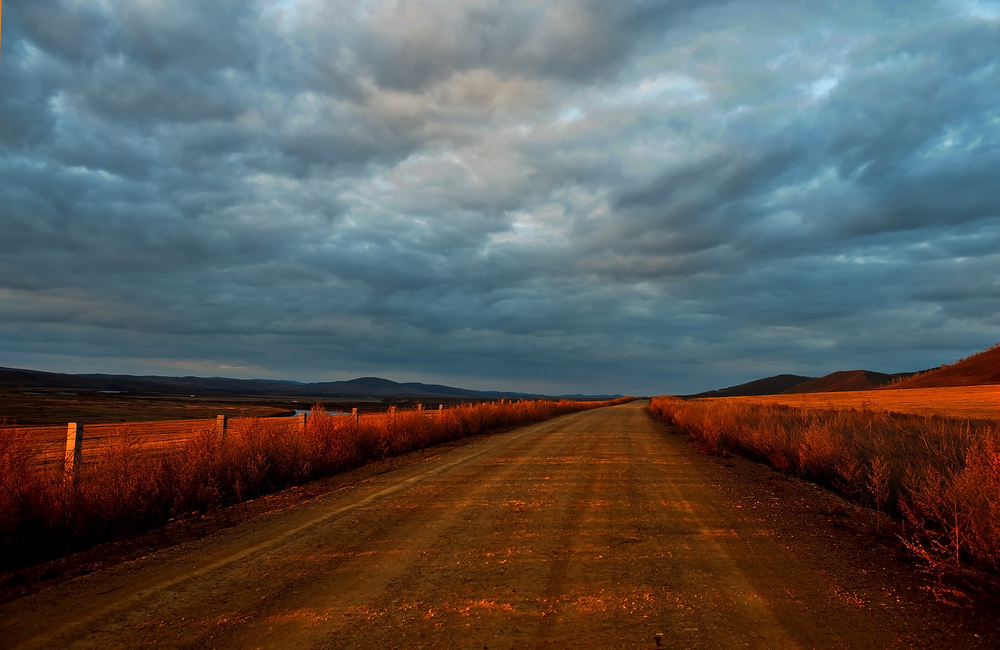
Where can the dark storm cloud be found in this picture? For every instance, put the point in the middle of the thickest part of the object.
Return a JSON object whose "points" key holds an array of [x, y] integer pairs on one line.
{"points": [[579, 196]]}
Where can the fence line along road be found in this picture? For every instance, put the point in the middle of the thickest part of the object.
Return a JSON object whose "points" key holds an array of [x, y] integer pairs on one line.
{"points": [[55, 444]]}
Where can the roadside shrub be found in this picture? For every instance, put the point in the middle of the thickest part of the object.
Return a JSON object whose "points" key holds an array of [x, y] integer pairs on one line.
{"points": [[940, 476]]}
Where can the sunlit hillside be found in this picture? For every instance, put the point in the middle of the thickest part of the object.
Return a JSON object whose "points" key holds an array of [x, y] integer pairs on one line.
{"points": [[977, 370]]}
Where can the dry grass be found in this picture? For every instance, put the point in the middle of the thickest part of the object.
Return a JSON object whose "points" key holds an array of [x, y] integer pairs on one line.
{"points": [[940, 476], [975, 402], [123, 488]]}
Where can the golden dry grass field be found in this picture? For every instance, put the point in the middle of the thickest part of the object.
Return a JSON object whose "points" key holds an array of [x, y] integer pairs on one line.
{"points": [[974, 402]]}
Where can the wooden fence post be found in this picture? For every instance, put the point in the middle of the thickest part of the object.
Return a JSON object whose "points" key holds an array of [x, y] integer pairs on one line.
{"points": [[302, 421], [221, 424], [74, 449]]}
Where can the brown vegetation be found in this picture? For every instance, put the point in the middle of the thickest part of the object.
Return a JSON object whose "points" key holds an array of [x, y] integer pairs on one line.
{"points": [[975, 402], [940, 476], [123, 488], [975, 370]]}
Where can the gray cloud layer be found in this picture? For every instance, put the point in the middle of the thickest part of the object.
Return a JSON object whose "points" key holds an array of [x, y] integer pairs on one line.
{"points": [[582, 195]]}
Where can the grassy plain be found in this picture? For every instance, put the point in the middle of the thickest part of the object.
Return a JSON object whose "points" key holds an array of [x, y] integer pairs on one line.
{"points": [[43, 408], [974, 402]]}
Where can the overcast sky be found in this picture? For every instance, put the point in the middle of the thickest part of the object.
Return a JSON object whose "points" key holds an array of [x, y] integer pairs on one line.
{"points": [[570, 196]]}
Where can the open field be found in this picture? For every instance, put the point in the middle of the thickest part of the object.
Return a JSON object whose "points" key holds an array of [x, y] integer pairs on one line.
{"points": [[44, 408], [57, 407], [976, 402]]}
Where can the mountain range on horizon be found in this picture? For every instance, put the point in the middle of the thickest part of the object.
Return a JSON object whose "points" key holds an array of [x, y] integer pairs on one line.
{"points": [[981, 368], [17, 379]]}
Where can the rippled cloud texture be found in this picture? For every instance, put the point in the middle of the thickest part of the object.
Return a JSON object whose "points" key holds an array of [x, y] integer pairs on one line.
{"points": [[570, 196]]}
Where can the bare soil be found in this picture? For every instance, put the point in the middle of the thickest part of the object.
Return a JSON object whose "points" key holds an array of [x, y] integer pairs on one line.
{"points": [[597, 529]]}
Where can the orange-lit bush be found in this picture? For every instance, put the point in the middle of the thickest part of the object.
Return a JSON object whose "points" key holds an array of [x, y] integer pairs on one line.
{"points": [[940, 475], [124, 489]]}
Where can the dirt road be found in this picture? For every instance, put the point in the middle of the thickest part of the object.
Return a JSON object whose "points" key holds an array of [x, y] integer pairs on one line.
{"points": [[596, 529]]}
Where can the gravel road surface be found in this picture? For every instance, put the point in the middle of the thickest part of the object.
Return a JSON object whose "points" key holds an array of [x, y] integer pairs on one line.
{"points": [[599, 529]]}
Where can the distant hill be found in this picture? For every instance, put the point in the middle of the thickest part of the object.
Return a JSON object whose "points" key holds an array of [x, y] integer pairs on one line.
{"points": [[844, 380], [767, 386], [19, 380], [979, 369]]}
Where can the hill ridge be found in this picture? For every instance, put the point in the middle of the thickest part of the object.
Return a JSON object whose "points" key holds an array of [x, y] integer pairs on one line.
{"points": [[978, 369], [19, 379], [845, 380], [766, 386]]}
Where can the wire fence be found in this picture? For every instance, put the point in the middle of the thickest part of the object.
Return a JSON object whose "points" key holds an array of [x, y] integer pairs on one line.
{"points": [[52, 444]]}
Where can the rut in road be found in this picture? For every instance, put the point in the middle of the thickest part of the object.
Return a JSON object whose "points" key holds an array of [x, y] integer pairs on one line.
{"points": [[591, 530]]}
